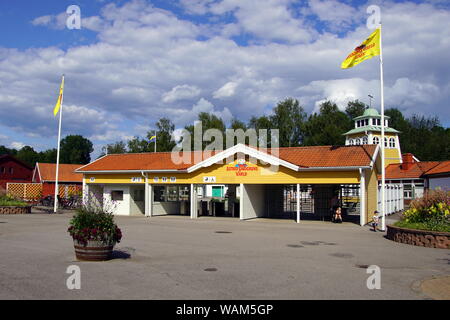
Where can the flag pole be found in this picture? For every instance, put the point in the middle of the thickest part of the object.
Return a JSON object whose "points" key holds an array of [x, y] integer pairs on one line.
{"points": [[155, 141], [383, 172], [57, 153]]}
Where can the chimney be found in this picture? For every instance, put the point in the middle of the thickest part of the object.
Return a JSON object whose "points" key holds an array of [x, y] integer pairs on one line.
{"points": [[408, 161]]}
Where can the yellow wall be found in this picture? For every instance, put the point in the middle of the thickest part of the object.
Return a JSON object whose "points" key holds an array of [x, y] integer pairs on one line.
{"points": [[227, 174], [371, 193]]}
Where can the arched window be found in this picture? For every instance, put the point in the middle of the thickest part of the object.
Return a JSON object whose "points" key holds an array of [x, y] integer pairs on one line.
{"points": [[351, 142], [376, 140], [366, 122], [358, 142], [365, 140], [385, 142], [392, 142]]}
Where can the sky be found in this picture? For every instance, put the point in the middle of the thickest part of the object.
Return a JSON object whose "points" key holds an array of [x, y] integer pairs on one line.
{"points": [[135, 61]]}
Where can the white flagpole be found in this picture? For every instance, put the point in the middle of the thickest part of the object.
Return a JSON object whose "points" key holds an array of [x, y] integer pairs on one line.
{"points": [[57, 154], [383, 173], [155, 140]]}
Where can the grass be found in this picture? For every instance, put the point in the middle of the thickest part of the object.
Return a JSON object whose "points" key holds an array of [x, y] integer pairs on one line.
{"points": [[423, 226]]}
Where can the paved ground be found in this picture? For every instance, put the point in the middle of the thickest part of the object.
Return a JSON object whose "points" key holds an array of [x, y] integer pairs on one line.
{"points": [[214, 258]]}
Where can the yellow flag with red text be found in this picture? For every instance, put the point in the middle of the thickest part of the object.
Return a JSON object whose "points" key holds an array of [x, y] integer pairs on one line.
{"points": [[368, 49], [60, 97]]}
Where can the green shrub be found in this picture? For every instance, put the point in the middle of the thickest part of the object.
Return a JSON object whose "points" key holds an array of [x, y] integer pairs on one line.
{"points": [[8, 200]]}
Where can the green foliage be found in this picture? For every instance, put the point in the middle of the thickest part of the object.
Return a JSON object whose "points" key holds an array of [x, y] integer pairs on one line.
{"points": [[9, 200], [137, 145], [327, 126], [289, 118], [355, 109], [432, 211], [92, 222], [75, 149], [164, 136]]}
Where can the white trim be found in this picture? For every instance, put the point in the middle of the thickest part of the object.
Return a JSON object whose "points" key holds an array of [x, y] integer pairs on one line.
{"points": [[36, 168], [375, 155], [241, 148], [362, 197], [130, 171]]}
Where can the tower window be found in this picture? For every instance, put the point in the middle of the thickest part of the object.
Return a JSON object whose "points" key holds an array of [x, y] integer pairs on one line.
{"points": [[376, 140], [386, 142], [364, 140], [366, 122], [378, 122], [392, 142]]}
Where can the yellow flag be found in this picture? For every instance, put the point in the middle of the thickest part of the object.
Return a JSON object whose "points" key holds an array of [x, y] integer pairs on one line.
{"points": [[58, 103], [368, 49]]}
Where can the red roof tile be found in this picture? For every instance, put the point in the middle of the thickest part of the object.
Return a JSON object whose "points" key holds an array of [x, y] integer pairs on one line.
{"points": [[442, 167], [308, 157], [66, 172], [417, 169]]}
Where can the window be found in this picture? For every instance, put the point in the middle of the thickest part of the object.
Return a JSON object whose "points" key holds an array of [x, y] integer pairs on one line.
{"points": [[172, 193], [11, 170], [385, 142], [117, 195], [378, 122], [407, 191], [392, 142], [159, 193], [376, 140], [365, 140], [2, 169], [139, 195], [358, 142], [374, 122], [351, 142], [367, 122]]}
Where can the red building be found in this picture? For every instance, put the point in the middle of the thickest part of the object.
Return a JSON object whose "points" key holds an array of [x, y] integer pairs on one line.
{"points": [[13, 170], [67, 178]]}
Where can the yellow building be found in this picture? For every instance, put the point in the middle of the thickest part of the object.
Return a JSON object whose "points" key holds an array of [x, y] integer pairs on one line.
{"points": [[298, 183], [368, 131]]}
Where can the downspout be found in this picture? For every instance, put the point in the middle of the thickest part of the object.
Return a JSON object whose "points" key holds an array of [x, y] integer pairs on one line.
{"points": [[146, 197]]}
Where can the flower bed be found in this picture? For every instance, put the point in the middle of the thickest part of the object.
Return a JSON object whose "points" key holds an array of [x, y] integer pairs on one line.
{"points": [[423, 238], [426, 223]]}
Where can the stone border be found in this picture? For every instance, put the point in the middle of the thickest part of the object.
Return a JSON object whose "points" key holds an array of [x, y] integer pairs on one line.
{"points": [[423, 238], [15, 209]]}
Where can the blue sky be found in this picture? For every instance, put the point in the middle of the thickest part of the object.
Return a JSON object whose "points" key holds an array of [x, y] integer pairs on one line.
{"points": [[134, 61]]}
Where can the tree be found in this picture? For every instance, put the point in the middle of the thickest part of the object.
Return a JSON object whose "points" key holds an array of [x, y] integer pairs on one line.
{"points": [[288, 118], [28, 155], [327, 127], [114, 148], [5, 150], [355, 109], [48, 156], [164, 136], [137, 145], [208, 121], [75, 149]]}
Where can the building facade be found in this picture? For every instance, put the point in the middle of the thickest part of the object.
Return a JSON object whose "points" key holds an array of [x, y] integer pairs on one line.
{"points": [[13, 170]]}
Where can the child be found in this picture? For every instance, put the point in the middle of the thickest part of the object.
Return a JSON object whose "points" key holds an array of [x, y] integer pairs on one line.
{"points": [[376, 220]]}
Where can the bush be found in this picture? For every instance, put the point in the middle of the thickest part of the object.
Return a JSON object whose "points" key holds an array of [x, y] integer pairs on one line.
{"points": [[8, 200], [432, 210], [94, 223]]}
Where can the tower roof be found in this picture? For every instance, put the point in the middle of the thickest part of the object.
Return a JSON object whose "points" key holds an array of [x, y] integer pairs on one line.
{"points": [[370, 113]]}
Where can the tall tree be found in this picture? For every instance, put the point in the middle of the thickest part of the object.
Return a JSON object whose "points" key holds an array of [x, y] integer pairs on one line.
{"points": [[355, 109], [289, 118], [75, 149], [28, 155], [327, 127], [164, 136], [137, 145], [114, 148], [207, 121]]}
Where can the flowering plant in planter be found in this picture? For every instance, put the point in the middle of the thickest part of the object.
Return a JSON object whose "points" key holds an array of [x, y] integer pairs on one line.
{"points": [[93, 223]]}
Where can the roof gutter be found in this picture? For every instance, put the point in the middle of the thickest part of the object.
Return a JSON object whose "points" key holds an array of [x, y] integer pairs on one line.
{"points": [[131, 171], [351, 168]]}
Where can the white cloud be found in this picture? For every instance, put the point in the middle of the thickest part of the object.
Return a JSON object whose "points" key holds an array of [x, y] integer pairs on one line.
{"points": [[336, 13], [17, 145], [180, 93], [227, 90]]}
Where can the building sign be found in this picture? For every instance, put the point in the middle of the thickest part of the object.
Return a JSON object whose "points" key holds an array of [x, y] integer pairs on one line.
{"points": [[155, 179], [136, 179], [209, 179], [173, 179], [92, 179], [241, 168], [164, 179]]}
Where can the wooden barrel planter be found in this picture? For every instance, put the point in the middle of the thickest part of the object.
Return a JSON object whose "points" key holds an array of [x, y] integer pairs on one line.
{"points": [[93, 251]]}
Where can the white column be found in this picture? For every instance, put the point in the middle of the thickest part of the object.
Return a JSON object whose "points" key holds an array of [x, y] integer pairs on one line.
{"points": [[362, 197], [85, 197], [150, 200], [194, 214], [241, 201], [298, 203], [146, 197]]}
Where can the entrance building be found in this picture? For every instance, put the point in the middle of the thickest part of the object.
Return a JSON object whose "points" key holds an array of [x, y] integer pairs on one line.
{"points": [[244, 182]]}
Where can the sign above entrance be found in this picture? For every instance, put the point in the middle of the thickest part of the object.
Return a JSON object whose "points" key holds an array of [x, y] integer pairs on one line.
{"points": [[136, 179], [241, 167], [209, 179]]}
